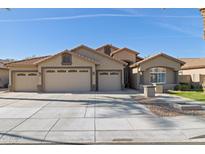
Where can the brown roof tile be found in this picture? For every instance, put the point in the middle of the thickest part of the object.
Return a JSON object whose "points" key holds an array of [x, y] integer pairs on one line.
{"points": [[157, 55], [122, 49], [193, 63], [30, 61]]}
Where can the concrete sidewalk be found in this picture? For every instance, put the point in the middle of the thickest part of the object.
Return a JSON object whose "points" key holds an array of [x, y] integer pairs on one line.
{"points": [[93, 118]]}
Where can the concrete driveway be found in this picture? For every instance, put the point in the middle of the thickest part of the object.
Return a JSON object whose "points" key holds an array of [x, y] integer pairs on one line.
{"points": [[90, 118]]}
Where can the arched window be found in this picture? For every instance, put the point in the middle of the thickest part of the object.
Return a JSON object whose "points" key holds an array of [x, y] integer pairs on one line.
{"points": [[66, 59], [158, 75]]}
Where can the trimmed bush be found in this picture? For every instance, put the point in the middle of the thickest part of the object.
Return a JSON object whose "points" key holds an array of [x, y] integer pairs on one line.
{"points": [[188, 87]]}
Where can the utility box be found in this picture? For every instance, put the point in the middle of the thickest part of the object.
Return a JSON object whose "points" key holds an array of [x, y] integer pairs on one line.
{"points": [[149, 91], [159, 88]]}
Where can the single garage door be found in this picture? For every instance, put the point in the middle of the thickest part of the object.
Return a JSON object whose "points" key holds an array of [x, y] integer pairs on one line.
{"points": [[25, 81], [109, 80], [67, 80]]}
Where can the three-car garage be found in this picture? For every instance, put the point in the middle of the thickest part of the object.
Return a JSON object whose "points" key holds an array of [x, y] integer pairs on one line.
{"points": [[67, 80]]}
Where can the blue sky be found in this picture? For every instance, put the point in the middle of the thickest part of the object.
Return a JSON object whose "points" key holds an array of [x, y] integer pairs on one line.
{"points": [[28, 32]]}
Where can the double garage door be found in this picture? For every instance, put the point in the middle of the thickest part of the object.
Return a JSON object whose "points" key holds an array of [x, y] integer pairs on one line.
{"points": [[67, 80]]}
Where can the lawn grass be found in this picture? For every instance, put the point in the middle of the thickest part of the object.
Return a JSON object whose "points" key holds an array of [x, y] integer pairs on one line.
{"points": [[195, 95]]}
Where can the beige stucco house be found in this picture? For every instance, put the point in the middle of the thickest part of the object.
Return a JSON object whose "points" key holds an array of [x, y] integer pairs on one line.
{"points": [[4, 75], [107, 68], [157, 69]]}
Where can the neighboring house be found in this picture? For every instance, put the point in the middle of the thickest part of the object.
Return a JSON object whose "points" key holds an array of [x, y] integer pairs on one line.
{"points": [[80, 69], [4, 75], [157, 69], [107, 68], [193, 71]]}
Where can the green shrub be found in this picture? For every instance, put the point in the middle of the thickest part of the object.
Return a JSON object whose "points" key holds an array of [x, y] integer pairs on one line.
{"points": [[182, 87], [197, 87], [188, 87]]}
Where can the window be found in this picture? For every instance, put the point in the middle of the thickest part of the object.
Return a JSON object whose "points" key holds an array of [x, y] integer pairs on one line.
{"points": [[114, 73], [21, 74], [104, 73], [83, 70], [158, 75], [32, 74], [61, 71], [66, 59], [72, 70], [50, 71]]}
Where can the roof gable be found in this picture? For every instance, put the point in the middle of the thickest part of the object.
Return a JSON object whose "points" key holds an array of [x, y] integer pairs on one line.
{"points": [[124, 49], [101, 54], [67, 51], [156, 56]]}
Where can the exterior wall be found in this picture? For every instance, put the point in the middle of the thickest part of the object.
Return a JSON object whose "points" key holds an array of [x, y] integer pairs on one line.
{"points": [[105, 62], [185, 79], [76, 62], [125, 55], [160, 62], [194, 73], [4, 77], [135, 78]]}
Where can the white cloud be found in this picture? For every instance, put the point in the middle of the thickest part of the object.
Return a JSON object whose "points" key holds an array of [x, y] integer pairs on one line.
{"points": [[91, 16]]}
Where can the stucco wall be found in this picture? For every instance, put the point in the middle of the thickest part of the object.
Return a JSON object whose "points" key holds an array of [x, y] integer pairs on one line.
{"points": [[76, 62], [125, 55], [4, 77], [105, 62]]}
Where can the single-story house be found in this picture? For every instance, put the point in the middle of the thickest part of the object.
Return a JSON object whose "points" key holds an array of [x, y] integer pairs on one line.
{"points": [[157, 69], [4, 75], [107, 68], [193, 71], [75, 70]]}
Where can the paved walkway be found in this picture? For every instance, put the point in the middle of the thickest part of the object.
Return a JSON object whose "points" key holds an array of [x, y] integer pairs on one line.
{"points": [[90, 118]]}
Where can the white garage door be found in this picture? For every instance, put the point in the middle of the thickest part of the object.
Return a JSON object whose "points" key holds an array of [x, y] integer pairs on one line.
{"points": [[109, 80], [67, 80], [25, 81]]}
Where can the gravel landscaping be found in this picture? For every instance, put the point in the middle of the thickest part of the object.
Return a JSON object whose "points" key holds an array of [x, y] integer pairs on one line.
{"points": [[162, 109]]}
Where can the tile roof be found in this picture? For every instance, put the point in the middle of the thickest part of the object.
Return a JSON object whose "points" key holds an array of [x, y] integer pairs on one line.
{"points": [[193, 63], [157, 55], [30, 61], [93, 50], [122, 49]]}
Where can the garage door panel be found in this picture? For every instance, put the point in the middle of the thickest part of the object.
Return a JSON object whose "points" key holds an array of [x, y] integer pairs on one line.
{"points": [[109, 80], [25, 81], [67, 80]]}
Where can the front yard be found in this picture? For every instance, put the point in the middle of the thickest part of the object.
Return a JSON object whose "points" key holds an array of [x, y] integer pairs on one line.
{"points": [[195, 95]]}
